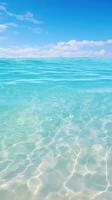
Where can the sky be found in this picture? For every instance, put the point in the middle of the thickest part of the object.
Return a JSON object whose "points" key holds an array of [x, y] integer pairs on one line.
{"points": [[54, 28]]}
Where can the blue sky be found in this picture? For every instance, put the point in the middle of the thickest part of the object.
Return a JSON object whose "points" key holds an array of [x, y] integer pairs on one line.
{"points": [[56, 27]]}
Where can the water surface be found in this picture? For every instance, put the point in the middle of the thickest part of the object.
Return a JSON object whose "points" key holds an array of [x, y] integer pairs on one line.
{"points": [[56, 129]]}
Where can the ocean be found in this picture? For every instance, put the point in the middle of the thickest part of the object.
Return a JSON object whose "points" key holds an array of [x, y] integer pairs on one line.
{"points": [[56, 129]]}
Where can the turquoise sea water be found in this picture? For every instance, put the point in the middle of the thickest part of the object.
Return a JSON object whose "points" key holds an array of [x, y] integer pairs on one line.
{"points": [[56, 129]]}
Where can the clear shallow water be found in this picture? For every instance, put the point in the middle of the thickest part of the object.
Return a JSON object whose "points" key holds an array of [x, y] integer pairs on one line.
{"points": [[56, 129]]}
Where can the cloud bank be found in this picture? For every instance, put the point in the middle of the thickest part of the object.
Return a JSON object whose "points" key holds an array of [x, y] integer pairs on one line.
{"points": [[72, 48]]}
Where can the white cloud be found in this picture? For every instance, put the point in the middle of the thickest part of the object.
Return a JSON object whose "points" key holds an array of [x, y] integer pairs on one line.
{"points": [[72, 48], [12, 24], [3, 27], [35, 30], [109, 41], [28, 16], [19, 52], [2, 6], [75, 44], [75, 48]]}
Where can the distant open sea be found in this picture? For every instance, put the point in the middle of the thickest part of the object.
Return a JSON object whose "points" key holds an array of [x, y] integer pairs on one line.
{"points": [[56, 129]]}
